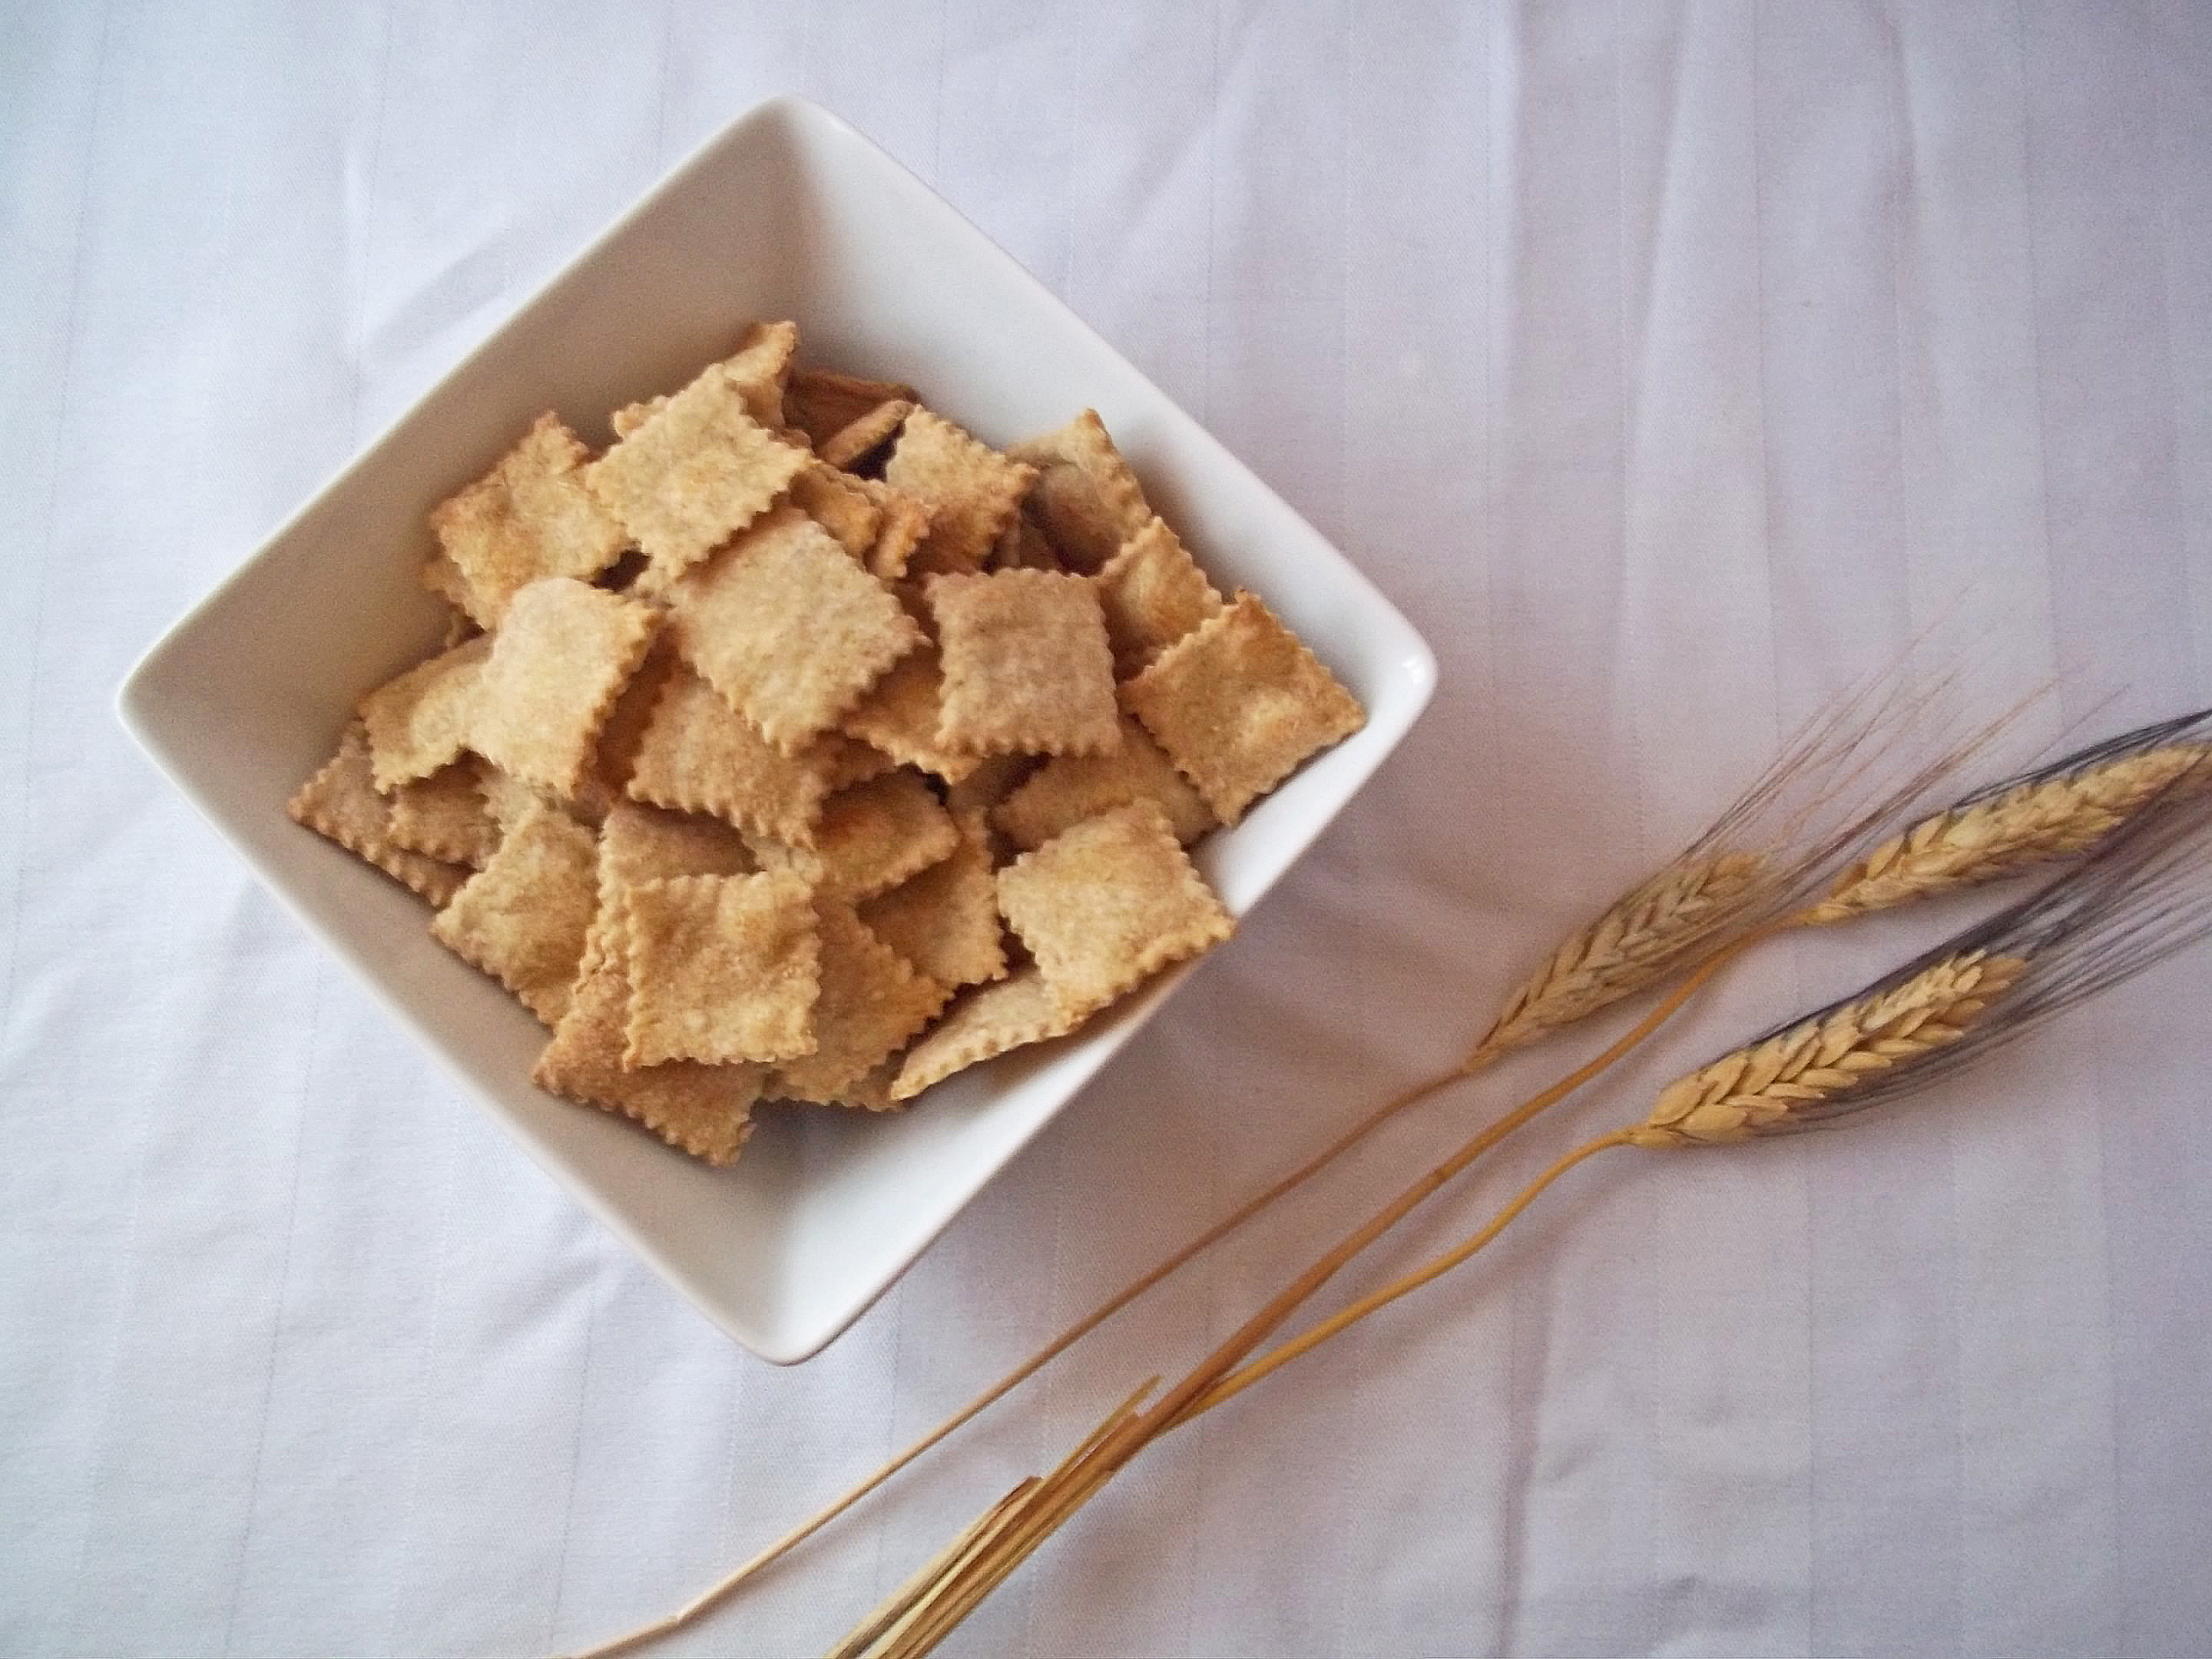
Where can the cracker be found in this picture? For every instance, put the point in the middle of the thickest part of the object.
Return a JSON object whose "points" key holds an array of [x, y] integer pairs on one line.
{"points": [[615, 753], [787, 628], [506, 798], [822, 404], [559, 659], [698, 755], [1106, 904], [970, 489], [899, 716], [994, 779], [946, 919], [640, 843], [529, 518], [721, 968], [871, 1000], [1085, 497], [445, 815], [341, 802], [443, 577], [859, 438], [699, 469], [1238, 702], [759, 367], [1026, 664], [1065, 790], [419, 720], [1023, 546], [523, 917], [1152, 593], [705, 1110], [871, 837], [982, 1025], [841, 505], [630, 416], [905, 522]]}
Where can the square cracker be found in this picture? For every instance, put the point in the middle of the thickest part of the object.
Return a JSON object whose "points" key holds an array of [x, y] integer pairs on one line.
{"points": [[1026, 664], [528, 517], [995, 778], [787, 628], [705, 1110], [1153, 594], [899, 716], [905, 522], [523, 917], [871, 837], [872, 1001], [821, 404], [841, 505], [1238, 702], [756, 369], [559, 659], [852, 443], [341, 802], [418, 721], [1069, 788], [698, 755], [970, 489], [697, 470], [982, 1025], [721, 968], [946, 919], [1085, 497], [640, 843], [445, 815], [1105, 905]]}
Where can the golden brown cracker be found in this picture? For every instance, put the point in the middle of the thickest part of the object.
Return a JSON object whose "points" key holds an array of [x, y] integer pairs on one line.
{"points": [[699, 755], [846, 760], [1085, 497], [970, 489], [1066, 790], [821, 404], [994, 779], [871, 1000], [760, 367], [721, 968], [982, 1025], [443, 577], [1152, 593], [640, 843], [899, 716], [445, 815], [1023, 546], [341, 802], [1238, 702], [945, 920], [870, 837], [419, 720], [1106, 904], [698, 469], [905, 522], [1026, 664], [787, 628], [630, 416], [615, 751], [530, 517], [523, 917], [841, 505], [562, 656], [705, 1110], [853, 443], [506, 798]]}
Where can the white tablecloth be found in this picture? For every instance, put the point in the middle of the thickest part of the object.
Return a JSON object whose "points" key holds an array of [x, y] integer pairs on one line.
{"points": [[1668, 364]]}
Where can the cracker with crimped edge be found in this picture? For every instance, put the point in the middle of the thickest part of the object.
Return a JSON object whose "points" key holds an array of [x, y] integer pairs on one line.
{"points": [[871, 1000], [1106, 904], [530, 517], [523, 917], [944, 919], [418, 721], [1069, 788], [982, 1025], [1026, 664], [1152, 593], [340, 803], [995, 778], [852, 444], [697, 470], [905, 522], [721, 968], [870, 837], [640, 843], [562, 656], [756, 369], [1085, 497], [787, 628], [822, 402], [704, 1111], [698, 755], [1238, 702], [899, 716], [841, 506], [443, 577], [445, 815], [969, 488], [1023, 546]]}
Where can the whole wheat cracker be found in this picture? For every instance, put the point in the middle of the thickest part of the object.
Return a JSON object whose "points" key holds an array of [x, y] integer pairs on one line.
{"points": [[443, 577], [523, 917], [970, 489], [699, 755], [841, 504], [1026, 664], [1152, 593], [1238, 702], [1023, 546], [341, 802], [870, 837], [1105, 905], [996, 777], [756, 369], [530, 517], [899, 715], [445, 815], [1085, 497], [562, 654], [905, 522], [981, 1025], [822, 404], [853, 443], [1069, 788], [787, 628], [640, 843], [944, 919], [418, 721], [871, 1000], [721, 968]]}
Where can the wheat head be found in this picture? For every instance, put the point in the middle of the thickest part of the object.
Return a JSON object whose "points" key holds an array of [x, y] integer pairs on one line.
{"points": [[1802, 1074], [2030, 823]]}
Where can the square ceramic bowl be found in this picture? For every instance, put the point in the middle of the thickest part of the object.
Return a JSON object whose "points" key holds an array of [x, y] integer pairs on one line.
{"points": [[788, 213]]}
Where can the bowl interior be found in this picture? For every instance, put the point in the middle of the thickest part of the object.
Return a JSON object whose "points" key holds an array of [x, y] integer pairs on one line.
{"points": [[787, 213]]}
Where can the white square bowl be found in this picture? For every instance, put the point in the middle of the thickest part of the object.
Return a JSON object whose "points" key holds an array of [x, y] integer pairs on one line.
{"points": [[788, 213]]}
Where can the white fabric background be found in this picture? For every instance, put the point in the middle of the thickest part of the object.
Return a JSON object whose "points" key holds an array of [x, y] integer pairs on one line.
{"points": [[1669, 364]]}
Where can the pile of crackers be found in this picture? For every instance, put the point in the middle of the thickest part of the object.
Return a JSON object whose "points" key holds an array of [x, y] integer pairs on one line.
{"points": [[803, 747]]}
